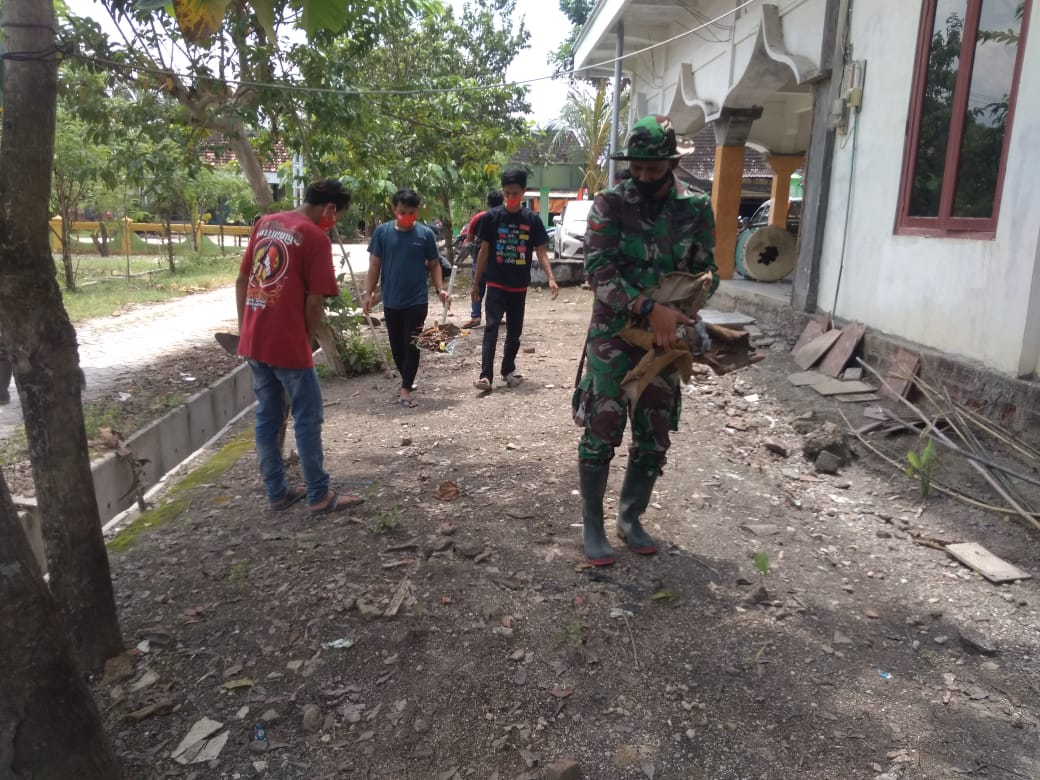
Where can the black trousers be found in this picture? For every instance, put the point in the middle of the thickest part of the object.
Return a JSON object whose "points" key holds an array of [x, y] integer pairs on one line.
{"points": [[403, 327], [498, 302]]}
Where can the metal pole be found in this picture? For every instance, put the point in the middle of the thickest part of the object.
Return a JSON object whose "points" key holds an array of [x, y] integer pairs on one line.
{"points": [[615, 113]]}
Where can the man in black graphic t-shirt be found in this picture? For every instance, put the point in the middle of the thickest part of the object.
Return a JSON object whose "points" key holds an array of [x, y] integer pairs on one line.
{"points": [[510, 236]]}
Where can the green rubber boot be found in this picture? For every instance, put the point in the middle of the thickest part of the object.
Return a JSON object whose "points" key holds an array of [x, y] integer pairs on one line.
{"points": [[635, 497], [593, 479]]}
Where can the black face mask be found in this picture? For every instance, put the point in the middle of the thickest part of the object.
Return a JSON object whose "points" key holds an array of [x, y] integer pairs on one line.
{"points": [[647, 189]]}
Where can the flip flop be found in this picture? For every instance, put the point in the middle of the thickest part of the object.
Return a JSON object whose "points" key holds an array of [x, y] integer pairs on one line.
{"points": [[292, 495], [408, 403], [337, 502]]}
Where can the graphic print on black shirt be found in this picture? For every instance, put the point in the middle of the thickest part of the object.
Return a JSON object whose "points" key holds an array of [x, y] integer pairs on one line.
{"points": [[513, 238]]}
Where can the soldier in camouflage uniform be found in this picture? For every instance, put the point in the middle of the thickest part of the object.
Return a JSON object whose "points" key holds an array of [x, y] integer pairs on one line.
{"points": [[645, 227]]}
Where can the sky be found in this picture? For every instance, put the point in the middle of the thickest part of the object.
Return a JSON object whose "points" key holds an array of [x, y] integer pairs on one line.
{"points": [[545, 21], [548, 27]]}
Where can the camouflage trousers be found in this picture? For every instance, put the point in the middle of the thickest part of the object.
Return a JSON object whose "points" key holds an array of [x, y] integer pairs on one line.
{"points": [[601, 407]]}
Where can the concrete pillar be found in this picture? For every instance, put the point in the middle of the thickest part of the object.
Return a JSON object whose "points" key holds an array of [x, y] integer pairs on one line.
{"points": [[783, 166], [817, 182], [731, 133]]}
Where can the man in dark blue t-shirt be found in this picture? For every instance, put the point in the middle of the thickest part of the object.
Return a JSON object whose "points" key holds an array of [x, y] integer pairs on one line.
{"points": [[401, 253], [510, 236]]}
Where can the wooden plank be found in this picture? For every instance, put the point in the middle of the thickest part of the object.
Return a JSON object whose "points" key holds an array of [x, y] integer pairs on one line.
{"points": [[858, 398], [817, 326], [838, 387], [904, 366], [840, 354], [806, 357], [994, 569], [803, 378]]}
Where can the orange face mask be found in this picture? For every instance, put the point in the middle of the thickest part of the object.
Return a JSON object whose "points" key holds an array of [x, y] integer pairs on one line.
{"points": [[513, 203], [327, 220], [406, 220]]}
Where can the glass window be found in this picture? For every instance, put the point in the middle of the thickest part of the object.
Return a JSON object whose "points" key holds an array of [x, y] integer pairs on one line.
{"points": [[960, 115]]}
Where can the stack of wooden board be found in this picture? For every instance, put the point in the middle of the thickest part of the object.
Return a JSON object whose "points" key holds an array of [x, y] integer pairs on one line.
{"points": [[826, 356]]}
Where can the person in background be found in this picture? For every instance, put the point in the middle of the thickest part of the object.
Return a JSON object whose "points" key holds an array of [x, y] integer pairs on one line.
{"points": [[648, 225], [285, 276], [401, 255], [510, 237], [494, 199]]}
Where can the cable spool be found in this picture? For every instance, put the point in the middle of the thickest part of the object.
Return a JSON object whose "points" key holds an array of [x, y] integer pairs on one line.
{"points": [[767, 255]]}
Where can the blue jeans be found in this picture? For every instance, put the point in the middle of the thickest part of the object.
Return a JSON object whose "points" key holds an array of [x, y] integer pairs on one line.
{"points": [[271, 385]]}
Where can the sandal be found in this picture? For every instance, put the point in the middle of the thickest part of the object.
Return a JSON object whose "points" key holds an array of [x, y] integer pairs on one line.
{"points": [[483, 384], [472, 323], [336, 502], [408, 403], [292, 495], [514, 379]]}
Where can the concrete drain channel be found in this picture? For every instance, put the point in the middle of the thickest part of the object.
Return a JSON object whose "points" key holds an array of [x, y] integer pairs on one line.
{"points": [[165, 444]]}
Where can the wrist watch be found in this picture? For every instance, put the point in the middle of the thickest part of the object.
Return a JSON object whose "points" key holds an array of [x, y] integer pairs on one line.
{"points": [[646, 307]]}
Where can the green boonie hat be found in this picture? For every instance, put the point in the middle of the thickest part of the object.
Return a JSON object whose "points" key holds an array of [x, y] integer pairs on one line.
{"points": [[652, 138]]}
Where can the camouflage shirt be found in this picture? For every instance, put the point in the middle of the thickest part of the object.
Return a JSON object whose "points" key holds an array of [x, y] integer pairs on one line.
{"points": [[631, 242]]}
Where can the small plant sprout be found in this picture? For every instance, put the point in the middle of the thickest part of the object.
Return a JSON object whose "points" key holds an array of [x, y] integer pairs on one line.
{"points": [[922, 466], [761, 560]]}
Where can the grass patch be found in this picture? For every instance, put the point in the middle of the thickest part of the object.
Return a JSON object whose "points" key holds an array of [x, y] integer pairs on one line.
{"points": [[179, 495], [15, 448], [103, 288]]}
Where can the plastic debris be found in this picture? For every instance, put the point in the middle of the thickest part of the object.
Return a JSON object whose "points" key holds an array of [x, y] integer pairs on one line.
{"points": [[884, 675], [338, 644]]}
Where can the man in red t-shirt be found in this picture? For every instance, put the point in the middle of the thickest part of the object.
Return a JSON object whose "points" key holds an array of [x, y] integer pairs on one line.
{"points": [[283, 281], [494, 198]]}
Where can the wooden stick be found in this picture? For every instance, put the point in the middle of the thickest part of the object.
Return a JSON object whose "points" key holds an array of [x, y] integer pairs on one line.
{"points": [[945, 440], [948, 491]]}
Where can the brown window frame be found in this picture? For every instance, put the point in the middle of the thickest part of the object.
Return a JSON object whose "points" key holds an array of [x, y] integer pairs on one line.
{"points": [[945, 224]]}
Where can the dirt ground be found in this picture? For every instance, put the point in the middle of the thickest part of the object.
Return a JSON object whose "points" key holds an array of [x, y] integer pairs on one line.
{"points": [[867, 654]]}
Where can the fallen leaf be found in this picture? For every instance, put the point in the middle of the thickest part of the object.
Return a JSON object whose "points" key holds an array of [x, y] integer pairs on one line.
{"points": [[242, 682], [447, 491]]}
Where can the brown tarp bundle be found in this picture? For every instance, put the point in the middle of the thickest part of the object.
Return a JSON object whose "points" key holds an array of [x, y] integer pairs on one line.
{"points": [[729, 350]]}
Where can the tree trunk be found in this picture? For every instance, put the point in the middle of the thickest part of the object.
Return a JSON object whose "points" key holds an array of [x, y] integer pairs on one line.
{"points": [[168, 230], [49, 726], [448, 232], [42, 343], [66, 254], [238, 140]]}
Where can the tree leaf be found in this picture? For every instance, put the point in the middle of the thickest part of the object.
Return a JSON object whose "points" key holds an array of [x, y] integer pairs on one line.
{"points": [[265, 13], [199, 19], [762, 562]]}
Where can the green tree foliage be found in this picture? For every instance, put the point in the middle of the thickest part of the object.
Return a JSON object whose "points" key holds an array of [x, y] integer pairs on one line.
{"points": [[235, 82], [577, 11], [79, 168], [586, 118], [445, 116]]}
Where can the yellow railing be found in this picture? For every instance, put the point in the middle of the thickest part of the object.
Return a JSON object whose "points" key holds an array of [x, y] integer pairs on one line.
{"points": [[129, 227]]}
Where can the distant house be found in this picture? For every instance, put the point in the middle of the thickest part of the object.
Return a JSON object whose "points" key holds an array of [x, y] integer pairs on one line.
{"points": [[217, 151], [918, 123], [555, 174]]}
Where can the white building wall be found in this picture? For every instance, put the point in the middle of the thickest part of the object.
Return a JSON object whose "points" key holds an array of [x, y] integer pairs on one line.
{"points": [[975, 298]]}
